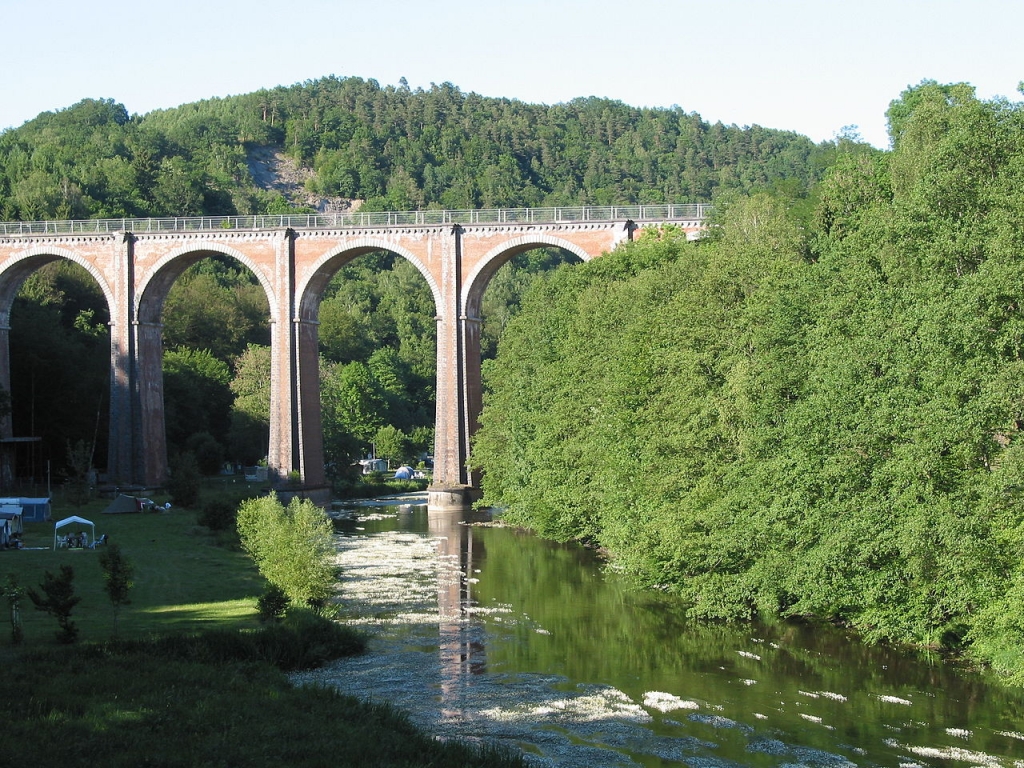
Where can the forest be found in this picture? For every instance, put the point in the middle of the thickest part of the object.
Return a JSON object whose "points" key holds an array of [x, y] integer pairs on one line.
{"points": [[352, 143], [798, 417]]}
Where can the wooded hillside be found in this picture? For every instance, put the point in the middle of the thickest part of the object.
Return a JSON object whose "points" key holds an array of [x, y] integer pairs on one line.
{"points": [[392, 148]]}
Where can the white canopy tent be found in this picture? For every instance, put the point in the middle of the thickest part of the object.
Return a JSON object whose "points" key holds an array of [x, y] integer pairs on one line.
{"points": [[71, 521]]}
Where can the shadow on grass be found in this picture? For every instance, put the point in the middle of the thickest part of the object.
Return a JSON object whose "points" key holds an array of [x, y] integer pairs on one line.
{"points": [[209, 699]]}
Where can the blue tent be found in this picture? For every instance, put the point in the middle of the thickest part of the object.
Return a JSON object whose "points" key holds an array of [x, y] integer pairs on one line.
{"points": [[404, 472], [33, 510]]}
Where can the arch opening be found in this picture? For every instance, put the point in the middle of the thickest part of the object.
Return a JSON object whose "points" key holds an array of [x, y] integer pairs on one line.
{"points": [[369, 320], [203, 329], [56, 360], [501, 297]]}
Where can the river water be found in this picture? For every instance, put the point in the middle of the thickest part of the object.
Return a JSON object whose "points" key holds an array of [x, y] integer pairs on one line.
{"points": [[486, 633]]}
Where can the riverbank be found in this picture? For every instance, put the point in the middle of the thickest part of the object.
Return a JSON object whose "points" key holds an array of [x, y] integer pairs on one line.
{"points": [[191, 678]]}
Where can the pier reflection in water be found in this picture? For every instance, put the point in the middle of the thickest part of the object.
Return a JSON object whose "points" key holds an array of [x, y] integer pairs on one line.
{"points": [[485, 633]]}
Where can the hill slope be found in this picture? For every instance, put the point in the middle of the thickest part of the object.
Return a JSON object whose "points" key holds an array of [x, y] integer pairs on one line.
{"points": [[323, 143]]}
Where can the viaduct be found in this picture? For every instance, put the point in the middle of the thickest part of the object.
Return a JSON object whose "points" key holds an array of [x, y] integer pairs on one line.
{"points": [[136, 261]]}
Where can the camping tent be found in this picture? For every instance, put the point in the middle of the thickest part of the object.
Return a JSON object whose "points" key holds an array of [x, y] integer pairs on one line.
{"points": [[33, 510], [5, 532], [71, 521], [404, 472], [13, 514], [121, 504]]}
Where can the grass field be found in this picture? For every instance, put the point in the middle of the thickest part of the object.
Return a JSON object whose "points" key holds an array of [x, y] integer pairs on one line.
{"points": [[186, 577]]}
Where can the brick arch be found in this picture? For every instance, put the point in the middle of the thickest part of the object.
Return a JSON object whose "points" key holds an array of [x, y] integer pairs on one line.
{"points": [[162, 276], [319, 273], [476, 282], [21, 265]]}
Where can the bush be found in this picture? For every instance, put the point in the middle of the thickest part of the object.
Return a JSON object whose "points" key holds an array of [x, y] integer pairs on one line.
{"points": [[272, 604], [217, 515], [292, 546], [304, 640]]}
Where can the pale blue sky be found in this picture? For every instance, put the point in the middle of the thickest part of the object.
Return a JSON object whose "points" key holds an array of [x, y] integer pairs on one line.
{"points": [[803, 65]]}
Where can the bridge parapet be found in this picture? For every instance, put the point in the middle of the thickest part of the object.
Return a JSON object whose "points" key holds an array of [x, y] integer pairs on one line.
{"points": [[663, 212]]}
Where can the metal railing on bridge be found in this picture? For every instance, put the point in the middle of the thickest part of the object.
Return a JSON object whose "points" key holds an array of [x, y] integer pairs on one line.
{"points": [[361, 219]]}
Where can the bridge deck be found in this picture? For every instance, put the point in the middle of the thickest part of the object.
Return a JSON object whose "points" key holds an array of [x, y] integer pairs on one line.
{"points": [[568, 214]]}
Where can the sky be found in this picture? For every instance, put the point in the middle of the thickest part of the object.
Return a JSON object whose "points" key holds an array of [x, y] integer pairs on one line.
{"points": [[816, 67]]}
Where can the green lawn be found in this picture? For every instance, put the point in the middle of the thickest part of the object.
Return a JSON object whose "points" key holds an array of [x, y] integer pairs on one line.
{"points": [[185, 576]]}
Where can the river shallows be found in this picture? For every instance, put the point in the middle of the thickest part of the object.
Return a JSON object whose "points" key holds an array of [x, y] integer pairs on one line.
{"points": [[487, 633]]}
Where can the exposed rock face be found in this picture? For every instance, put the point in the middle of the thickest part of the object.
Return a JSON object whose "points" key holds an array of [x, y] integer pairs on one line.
{"points": [[273, 170]]}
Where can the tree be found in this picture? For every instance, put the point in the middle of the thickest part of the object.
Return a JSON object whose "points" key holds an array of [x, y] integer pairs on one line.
{"points": [[14, 593], [59, 601], [117, 578], [197, 396], [184, 480], [353, 405], [79, 466], [249, 433], [391, 443]]}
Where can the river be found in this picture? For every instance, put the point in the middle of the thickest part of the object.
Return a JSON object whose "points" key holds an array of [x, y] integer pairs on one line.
{"points": [[486, 633]]}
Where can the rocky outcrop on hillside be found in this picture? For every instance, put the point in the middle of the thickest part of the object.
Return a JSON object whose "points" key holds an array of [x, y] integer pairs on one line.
{"points": [[272, 169]]}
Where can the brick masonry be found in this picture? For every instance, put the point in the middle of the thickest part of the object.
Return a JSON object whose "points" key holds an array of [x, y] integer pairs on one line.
{"points": [[294, 266]]}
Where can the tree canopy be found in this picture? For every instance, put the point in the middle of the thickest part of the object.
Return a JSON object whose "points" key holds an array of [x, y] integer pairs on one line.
{"points": [[798, 416]]}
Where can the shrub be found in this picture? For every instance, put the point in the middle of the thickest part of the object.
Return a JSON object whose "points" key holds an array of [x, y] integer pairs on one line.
{"points": [[304, 640], [272, 604], [292, 546], [217, 515]]}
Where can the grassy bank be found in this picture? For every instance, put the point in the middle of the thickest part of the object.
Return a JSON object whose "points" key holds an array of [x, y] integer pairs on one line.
{"points": [[191, 677]]}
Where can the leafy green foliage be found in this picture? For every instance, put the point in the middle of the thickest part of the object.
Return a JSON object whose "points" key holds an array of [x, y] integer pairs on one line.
{"points": [[60, 358], [387, 147], [798, 415], [272, 604], [292, 546], [391, 147], [217, 515], [184, 481]]}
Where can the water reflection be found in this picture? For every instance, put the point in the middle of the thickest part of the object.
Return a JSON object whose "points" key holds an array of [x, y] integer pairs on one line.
{"points": [[489, 633], [461, 653]]}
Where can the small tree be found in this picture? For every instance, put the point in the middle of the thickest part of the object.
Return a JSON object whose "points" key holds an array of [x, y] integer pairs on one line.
{"points": [[79, 464], [14, 593], [183, 484], [391, 444], [117, 578], [272, 604], [59, 601]]}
